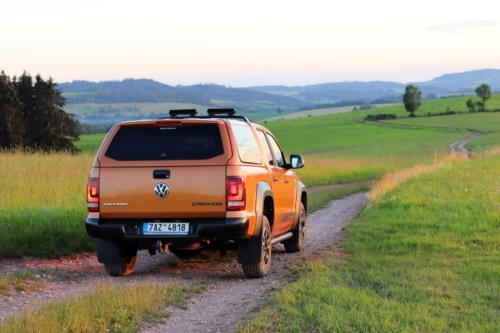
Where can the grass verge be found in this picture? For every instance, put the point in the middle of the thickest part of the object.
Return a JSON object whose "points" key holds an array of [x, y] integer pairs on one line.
{"points": [[423, 257], [107, 309], [42, 204]]}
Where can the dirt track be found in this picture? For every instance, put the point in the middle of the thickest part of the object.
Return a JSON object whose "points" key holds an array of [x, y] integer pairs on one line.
{"points": [[228, 299], [460, 145]]}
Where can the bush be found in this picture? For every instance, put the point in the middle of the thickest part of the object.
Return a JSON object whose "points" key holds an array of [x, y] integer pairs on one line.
{"points": [[380, 116]]}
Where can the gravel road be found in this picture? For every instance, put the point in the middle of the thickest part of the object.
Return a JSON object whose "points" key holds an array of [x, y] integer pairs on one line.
{"points": [[460, 145], [228, 299]]}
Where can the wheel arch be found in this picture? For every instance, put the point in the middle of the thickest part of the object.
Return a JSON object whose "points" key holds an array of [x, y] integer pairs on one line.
{"points": [[264, 205], [301, 195]]}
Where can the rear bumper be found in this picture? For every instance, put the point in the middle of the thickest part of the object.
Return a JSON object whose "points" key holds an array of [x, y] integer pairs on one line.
{"points": [[200, 229]]}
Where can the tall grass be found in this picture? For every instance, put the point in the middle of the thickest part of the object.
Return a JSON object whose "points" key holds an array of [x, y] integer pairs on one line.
{"points": [[423, 257], [42, 203], [109, 308]]}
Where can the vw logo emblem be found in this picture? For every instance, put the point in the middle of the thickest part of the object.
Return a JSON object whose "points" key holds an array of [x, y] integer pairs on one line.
{"points": [[161, 190]]}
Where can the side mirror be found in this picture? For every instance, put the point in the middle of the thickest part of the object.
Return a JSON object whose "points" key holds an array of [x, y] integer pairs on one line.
{"points": [[296, 161]]}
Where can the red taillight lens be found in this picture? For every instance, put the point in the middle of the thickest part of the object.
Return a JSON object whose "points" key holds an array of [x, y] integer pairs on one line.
{"points": [[235, 193], [93, 195]]}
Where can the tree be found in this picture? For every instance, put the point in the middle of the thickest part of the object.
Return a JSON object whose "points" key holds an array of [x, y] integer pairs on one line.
{"points": [[12, 125], [480, 106], [32, 115], [484, 92], [471, 105], [412, 99]]}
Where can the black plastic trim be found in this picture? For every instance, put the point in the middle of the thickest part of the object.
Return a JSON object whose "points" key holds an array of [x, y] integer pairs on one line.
{"points": [[200, 229]]}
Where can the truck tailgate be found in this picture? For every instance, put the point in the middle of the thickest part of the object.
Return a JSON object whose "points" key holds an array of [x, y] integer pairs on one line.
{"points": [[193, 192]]}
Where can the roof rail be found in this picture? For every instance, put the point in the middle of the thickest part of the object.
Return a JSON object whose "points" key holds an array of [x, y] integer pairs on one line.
{"points": [[183, 112]]}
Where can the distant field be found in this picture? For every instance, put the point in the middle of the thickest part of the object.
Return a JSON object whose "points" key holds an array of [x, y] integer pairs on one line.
{"points": [[442, 105], [322, 112], [145, 108]]}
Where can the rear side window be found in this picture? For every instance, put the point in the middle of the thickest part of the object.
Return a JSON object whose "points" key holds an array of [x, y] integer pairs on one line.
{"points": [[160, 143], [248, 149]]}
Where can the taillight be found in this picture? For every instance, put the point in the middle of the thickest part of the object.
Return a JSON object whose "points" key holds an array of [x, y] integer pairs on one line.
{"points": [[168, 123], [235, 193], [93, 195]]}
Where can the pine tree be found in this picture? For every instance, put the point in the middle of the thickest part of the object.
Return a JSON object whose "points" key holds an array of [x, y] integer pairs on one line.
{"points": [[49, 126], [12, 125]]}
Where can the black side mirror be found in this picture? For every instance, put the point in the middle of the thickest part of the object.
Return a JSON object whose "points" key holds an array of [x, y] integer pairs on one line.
{"points": [[296, 161]]}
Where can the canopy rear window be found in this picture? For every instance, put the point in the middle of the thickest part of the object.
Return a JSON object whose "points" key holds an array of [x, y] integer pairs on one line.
{"points": [[166, 143]]}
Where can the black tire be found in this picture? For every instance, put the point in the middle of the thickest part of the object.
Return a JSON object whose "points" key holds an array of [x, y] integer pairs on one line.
{"points": [[261, 269], [125, 266], [296, 243]]}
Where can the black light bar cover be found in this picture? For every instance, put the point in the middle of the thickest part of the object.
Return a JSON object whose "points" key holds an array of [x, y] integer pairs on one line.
{"points": [[183, 112], [228, 112]]}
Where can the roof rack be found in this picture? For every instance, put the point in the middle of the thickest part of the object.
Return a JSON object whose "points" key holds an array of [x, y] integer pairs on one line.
{"points": [[183, 112], [226, 112], [212, 113]]}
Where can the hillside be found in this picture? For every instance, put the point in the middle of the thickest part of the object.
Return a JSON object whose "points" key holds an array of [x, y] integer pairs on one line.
{"points": [[454, 83], [147, 91]]}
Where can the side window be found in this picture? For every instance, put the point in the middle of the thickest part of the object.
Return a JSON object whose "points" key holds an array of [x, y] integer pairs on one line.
{"points": [[280, 159], [248, 149], [265, 146]]}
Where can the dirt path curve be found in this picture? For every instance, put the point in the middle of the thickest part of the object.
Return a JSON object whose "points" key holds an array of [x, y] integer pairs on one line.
{"points": [[460, 145], [228, 299]]}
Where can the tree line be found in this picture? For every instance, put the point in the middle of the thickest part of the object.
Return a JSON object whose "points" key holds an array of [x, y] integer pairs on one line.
{"points": [[412, 98], [32, 115]]}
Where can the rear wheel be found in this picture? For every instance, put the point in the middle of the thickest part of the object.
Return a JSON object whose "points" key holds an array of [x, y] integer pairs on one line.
{"points": [[126, 264], [296, 243], [261, 269]]}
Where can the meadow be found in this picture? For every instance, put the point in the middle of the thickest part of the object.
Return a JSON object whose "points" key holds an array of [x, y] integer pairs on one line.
{"points": [[424, 257], [42, 195], [322, 112]]}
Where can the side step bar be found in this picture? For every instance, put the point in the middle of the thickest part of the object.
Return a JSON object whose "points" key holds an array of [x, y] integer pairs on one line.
{"points": [[281, 238]]}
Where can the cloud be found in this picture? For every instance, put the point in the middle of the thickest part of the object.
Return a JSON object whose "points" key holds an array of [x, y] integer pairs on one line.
{"points": [[459, 26]]}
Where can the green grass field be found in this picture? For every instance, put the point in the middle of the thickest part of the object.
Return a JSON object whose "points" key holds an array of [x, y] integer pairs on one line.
{"points": [[323, 112], [338, 149], [425, 258], [456, 104], [145, 108]]}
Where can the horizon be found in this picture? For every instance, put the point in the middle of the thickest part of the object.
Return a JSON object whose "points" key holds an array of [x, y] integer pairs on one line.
{"points": [[262, 85], [243, 45]]}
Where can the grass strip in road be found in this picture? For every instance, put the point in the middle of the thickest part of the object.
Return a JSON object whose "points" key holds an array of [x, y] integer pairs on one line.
{"points": [[319, 197], [24, 281], [424, 257], [121, 308]]}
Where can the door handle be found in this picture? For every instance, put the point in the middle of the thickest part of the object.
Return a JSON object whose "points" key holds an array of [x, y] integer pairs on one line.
{"points": [[275, 179], [286, 181]]}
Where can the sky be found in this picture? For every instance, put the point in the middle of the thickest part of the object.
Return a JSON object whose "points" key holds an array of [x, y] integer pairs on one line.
{"points": [[248, 43]]}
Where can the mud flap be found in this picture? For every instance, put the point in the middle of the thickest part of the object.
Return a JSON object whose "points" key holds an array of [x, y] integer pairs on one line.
{"points": [[249, 250], [108, 251]]}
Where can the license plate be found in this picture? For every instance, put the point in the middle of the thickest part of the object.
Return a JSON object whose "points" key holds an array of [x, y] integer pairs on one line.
{"points": [[165, 228]]}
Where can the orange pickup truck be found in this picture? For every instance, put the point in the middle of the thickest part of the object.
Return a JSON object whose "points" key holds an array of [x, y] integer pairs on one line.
{"points": [[186, 183]]}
